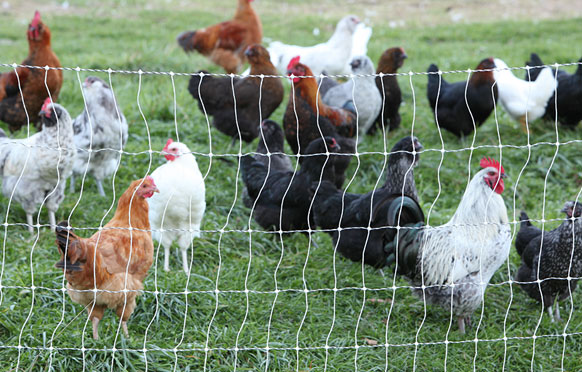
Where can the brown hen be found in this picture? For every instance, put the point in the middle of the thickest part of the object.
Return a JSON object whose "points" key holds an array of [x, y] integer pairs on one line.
{"points": [[108, 269]]}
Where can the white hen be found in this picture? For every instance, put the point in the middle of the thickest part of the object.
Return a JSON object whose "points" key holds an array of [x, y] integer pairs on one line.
{"points": [[524, 100], [176, 211], [35, 169], [101, 127], [332, 56]]}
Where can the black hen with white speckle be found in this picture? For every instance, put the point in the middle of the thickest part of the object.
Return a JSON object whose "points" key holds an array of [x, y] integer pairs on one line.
{"points": [[551, 254]]}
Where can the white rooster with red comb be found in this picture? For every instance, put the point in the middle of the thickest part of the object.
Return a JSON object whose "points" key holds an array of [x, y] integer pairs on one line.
{"points": [[455, 262], [176, 211]]}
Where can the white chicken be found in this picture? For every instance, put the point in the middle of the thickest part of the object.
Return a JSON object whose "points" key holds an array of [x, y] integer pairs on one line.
{"points": [[34, 170], [451, 265], [333, 56], [362, 35], [176, 211], [101, 127], [524, 100]]}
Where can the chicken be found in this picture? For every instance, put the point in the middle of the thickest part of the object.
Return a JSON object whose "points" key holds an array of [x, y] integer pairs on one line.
{"points": [[281, 199], [552, 257], [34, 170], [389, 63], [215, 96], [464, 252], [32, 86], [102, 128], [107, 270], [451, 111], [361, 91], [308, 115], [225, 43], [524, 101], [270, 149], [332, 56], [270, 152], [569, 94], [374, 209], [176, 212]]}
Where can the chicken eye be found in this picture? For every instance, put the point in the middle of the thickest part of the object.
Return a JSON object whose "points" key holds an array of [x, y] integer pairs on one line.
{"points": [[491, 173]]}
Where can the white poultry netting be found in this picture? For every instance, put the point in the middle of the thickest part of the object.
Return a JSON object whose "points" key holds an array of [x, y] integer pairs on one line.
{"points": [[301, 354]]}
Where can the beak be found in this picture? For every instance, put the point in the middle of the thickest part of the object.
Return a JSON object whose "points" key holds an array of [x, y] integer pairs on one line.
{"points": [[249, 52], [503, 175], [568, 207], [157, 190], [404, 56]]}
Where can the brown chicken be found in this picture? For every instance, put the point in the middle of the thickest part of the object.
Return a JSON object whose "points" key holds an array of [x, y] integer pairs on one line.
{"points": [[215, 96], [225, 43], [314, 119], [390, 61], [32, 81], [114, 261]]}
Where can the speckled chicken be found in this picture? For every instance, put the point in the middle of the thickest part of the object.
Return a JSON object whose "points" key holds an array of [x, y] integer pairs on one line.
{"points": [[466, 251], [34, 170], [102, 128], [551, 254]]}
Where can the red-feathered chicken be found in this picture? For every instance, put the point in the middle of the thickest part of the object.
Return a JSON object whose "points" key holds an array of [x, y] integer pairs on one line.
{"points": [[32, 81], [225, 42], [114, 259], [466, 251], [308, 118]]}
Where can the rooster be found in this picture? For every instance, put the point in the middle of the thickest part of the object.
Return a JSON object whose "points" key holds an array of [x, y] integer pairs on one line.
{"points": [[389, 63], [30, 83], [308, 118], [102, 128], [332, 56], [225, 43], [281, 199], [454, 263], [361, 92], [569, 95], [552, 257], [524, 101], [353, 213], [34, 170], [215, 96], [176, 212], [114, 261], [456, 111]]}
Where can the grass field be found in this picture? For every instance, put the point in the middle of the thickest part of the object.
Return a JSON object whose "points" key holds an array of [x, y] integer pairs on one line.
{"points": [[175, 327]]}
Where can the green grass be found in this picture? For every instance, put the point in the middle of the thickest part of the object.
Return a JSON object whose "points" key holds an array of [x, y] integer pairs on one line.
{"points": [[127, 37]]}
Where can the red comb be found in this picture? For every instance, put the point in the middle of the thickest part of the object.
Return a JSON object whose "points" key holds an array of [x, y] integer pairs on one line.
{"points": [[488, 162], [149, 178], [45, 105], [170, 141], [36, 19], [293, 62]]}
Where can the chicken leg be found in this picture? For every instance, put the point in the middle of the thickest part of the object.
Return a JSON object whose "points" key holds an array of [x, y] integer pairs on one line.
{"points": [[100, 188], [461, 322], [167, 258], [29, 223], [95, 324], [185, 260], [52, 220]]}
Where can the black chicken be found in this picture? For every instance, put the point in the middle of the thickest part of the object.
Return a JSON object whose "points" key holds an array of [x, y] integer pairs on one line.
{"points": [[282, 198], [215, 96], [272, 140], [395, 203], [389, 63], [569, 93], [451, 111], [555, 254]]}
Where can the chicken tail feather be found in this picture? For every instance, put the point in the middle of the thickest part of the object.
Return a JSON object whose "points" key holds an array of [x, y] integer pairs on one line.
{"points": [[403, 248]]}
